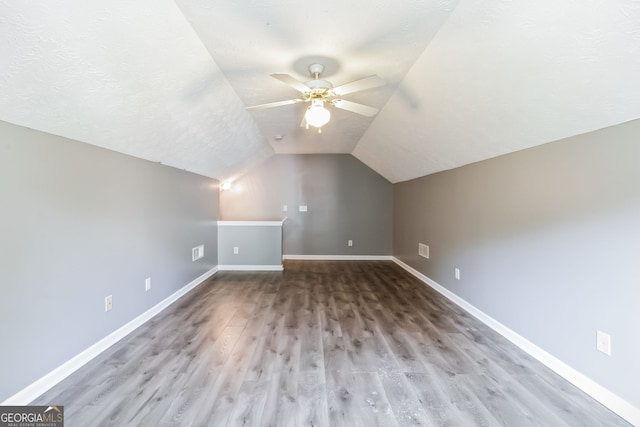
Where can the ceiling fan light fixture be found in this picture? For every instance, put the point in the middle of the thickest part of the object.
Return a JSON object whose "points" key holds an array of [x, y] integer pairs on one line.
{"points": [[317, 92], [317, 115]]}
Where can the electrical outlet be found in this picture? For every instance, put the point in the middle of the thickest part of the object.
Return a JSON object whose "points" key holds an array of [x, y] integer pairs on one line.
{"points": [[236, 250], [350, 243], [303, 208], [457, 273], [108, 303], [284, 208], [603, 342], [147, 284]]}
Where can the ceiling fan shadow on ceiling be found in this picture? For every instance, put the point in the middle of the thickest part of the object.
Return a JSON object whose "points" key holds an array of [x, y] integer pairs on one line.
{"points": [[320, 93]]}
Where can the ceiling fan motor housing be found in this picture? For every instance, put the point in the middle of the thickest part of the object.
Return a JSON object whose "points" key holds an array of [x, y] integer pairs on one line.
{"points": [[321, 92], [319, 87]]}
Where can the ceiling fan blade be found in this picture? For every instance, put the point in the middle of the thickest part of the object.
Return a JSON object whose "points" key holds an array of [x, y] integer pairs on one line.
{"points": [[358, 85], [296, 84], [274, 104], [354, 107]]}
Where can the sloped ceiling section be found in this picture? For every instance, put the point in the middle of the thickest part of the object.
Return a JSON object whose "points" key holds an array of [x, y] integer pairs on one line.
{"points": [[131, 76], [467, 80], [502, 76], [353, 39]]}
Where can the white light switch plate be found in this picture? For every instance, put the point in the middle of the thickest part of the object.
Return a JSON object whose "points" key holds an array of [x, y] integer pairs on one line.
{"points": [[603, 342]]}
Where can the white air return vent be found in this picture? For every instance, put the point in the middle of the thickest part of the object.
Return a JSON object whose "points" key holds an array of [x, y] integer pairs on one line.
{"points": [[423, 250], [197, 253]]}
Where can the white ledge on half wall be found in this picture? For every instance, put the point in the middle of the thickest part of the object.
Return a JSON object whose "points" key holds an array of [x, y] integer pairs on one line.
{"points": [[277, 223]]}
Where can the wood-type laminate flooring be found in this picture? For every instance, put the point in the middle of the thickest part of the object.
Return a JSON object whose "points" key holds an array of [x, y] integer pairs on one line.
{"points": [[339, 343]]}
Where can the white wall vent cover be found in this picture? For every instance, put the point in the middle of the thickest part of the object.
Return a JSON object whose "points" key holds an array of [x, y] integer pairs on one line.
{"points": [[197, 253]]}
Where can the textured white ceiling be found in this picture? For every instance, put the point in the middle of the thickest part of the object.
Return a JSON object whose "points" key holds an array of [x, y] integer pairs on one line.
{"points": [[353, 39], [131, 76], [169, 81], [502, 76]]}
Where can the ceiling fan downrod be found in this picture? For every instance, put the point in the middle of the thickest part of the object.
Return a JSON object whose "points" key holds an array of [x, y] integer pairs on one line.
{"points": [[316, 70]]}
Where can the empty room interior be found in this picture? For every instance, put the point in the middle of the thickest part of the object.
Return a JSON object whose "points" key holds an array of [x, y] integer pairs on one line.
{"points": [[332, 213]]}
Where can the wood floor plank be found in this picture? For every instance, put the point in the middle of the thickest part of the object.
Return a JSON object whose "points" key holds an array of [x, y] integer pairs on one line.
{"points": [[283, 393], [311, 407], [404, 401], [431, 391], [567, 402], [329, 318], [469, 407], [357, 398], [323, 343], [406, 356], [370, 354], [261, 360], [311, 352], [221, 397], [249, 405], [500, 405]]}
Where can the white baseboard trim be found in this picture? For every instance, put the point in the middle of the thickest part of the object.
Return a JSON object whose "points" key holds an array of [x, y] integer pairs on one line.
{"points": [[37, 388], [340, 257], [251, 267], [609, 399]]}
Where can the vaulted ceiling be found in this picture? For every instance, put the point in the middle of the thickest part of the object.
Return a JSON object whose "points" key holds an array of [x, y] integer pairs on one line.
{"points": [[169, 81]]}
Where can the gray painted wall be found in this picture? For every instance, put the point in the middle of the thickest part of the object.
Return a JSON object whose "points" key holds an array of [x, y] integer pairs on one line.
{"points": [[345, 199], [548, 243], [257, 245], [78, 223]]}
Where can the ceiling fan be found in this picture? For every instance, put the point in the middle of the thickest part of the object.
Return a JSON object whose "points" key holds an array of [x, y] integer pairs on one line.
{"points": [[320, 93]]}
